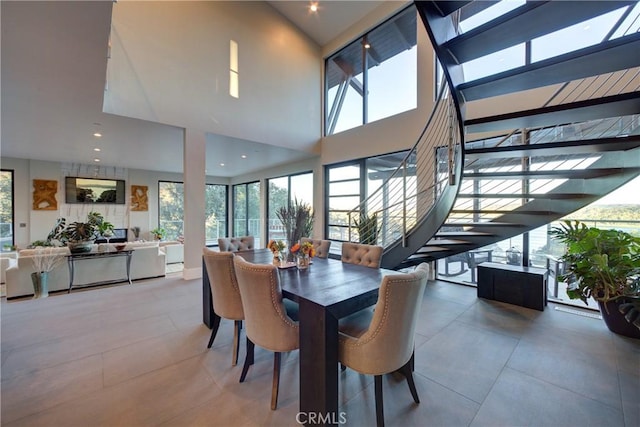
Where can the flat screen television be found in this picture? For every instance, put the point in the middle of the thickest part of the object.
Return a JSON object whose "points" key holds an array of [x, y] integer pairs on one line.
{"points": [[94, 190]]}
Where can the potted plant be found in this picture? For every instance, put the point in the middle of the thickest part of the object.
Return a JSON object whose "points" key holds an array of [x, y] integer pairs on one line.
{"points": [[603, 265], [79, 236], [368, 229], [158, 233], [297, 221]]}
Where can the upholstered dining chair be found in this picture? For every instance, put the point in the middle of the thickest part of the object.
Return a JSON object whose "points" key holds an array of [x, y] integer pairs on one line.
{"points": [[361, 254], [225, 294], [321, 246], [234, 244], [382, 341], [267, 322]]}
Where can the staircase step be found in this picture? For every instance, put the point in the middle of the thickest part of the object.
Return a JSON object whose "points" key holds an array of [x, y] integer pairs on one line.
{"points": [[555, 174], [533, 19], [606, 57], [500, 212], [481, 224], [609, 106], [551, 196], [556, 148]]}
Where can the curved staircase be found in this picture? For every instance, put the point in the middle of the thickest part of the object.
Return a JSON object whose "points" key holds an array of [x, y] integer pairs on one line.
{"points": [[573, 137]]}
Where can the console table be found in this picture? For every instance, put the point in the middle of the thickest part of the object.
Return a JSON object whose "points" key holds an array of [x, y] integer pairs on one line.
{"points": [[73, 258], [513, 284]]}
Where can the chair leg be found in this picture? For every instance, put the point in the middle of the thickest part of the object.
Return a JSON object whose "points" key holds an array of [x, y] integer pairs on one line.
{"points": [[214, 329], [276, 380], [377, 379], [236, 341], [248, 360], [407, 371]]}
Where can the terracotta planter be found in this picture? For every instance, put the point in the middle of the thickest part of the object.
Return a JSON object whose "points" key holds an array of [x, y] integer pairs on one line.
{"points": [[615, 320]]}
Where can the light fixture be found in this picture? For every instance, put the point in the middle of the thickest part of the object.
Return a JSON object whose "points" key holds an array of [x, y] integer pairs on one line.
{"points": [[313, 7], [367, 45], [244, 156], [97, 134], [96, 160], [96, 149], [221, 164]]}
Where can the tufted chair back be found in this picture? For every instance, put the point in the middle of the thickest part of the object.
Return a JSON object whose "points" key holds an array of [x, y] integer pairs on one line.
{"points": [[235, 244], [225, 294], [267, 322], [224, 285], [387, 343], [361, 254], [382, 341], [321, 246]]}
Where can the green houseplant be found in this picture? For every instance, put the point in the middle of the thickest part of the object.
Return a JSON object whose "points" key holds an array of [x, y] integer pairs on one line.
{"points": [[297, 221], [368, 229], [79, 236], [158, 233], [603, 265]]}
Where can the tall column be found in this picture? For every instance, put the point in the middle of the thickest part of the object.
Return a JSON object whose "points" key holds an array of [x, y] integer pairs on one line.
{"points": [[195, 143]]}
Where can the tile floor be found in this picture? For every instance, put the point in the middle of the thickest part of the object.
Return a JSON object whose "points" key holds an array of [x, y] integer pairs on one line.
{"points": [[135, 355]]}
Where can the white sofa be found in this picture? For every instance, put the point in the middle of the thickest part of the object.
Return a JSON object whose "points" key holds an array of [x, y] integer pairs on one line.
{"points": [[147, 261], [173, 250]]}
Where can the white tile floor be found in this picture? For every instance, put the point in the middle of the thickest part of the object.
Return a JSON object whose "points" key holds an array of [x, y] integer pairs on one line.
{"points": [[135, 355]]}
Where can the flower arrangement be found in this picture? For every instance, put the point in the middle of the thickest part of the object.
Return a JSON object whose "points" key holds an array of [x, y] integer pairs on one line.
{"points": [[305, 248], [46, 259], [276, 246]]}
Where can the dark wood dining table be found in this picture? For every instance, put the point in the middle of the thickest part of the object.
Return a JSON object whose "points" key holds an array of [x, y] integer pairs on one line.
{"points": [[327, 291]]}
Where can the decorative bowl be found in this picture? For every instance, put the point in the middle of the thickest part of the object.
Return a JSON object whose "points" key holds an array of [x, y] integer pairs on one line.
{"points": [[120, 247]]}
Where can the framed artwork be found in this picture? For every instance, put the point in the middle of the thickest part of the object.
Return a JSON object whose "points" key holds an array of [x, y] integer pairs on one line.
{"points": [[139, 198], [44, 195]]}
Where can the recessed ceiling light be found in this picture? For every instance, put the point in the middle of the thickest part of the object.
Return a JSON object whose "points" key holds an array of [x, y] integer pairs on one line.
{"points": [[96, 160], [96, 149], [221, 164], [313, 7], [97, 134], [244, 156]]}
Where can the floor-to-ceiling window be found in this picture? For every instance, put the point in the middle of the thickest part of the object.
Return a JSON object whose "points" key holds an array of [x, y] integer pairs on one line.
{"points": [[347, 186], [373, 77], [283, 191], [6, 210], [246, 211], [171, 210]]}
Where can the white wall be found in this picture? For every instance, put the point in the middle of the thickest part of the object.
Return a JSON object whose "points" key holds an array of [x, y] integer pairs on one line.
{"points": [[170, 64], [38, 223]]}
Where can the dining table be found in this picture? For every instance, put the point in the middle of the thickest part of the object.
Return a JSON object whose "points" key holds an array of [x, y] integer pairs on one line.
{"points": [[325, 292]]}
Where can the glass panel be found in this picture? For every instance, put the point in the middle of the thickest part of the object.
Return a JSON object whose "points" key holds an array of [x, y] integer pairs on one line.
{"points": [[578, 36], [338, 233], [253, 215], [215, 212], [6, 211], [171, 208], [344, 203], [471, 19], [493, 63], [240, 210], [392, 79], [346, 188], [278, 197], [302, 188], [344, 172]]}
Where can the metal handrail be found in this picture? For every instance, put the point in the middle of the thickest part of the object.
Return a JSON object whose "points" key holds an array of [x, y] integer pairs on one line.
{"points": [[408, 193]]}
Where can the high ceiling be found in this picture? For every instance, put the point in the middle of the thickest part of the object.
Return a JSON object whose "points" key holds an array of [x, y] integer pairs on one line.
{"points": [[53, 67]]}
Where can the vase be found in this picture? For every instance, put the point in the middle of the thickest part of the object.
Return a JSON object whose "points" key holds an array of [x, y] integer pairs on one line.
{"points": [[35, 279], [44, 284], [303, 262], [276, 259], [615, 320]]}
